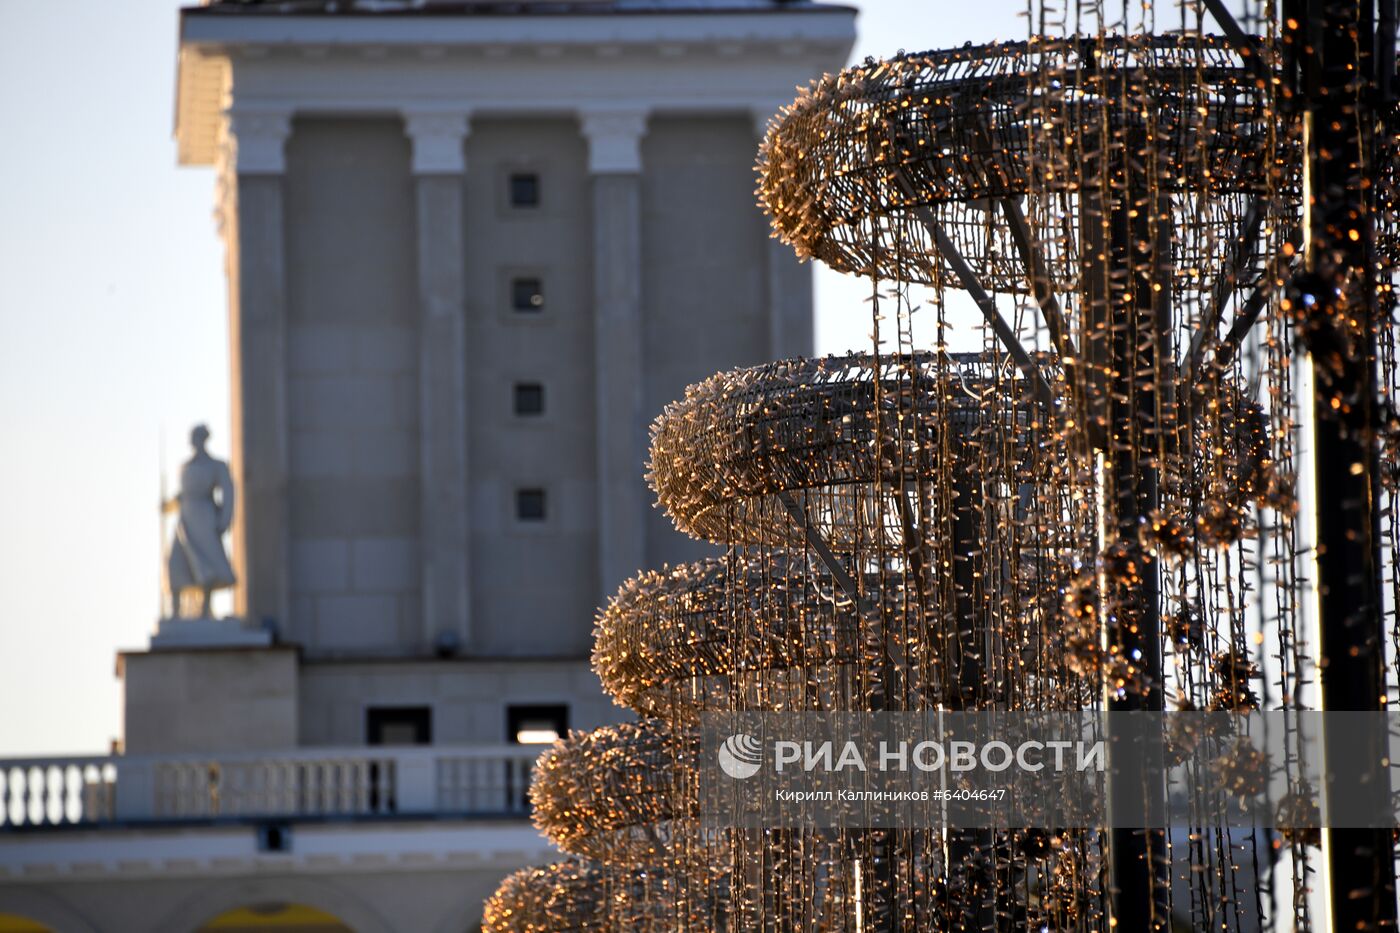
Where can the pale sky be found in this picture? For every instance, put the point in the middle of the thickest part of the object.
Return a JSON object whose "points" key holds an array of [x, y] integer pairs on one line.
{"points": [[112, 331]]}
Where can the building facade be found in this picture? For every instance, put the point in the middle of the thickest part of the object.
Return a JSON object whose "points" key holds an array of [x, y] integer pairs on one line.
{"points": [[472, 249]]}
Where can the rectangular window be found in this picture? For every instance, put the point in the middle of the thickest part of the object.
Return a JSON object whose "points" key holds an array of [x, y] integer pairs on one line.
{"points": [[530, 505], [524, 189], [529, 398], [399, 725], [531, 724], [536, 724], [526, 295]]}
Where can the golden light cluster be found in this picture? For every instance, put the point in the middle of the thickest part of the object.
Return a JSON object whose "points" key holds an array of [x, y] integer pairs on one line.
{"points": [[563, 897], [615, 794], [578, 896], [756, 630]]}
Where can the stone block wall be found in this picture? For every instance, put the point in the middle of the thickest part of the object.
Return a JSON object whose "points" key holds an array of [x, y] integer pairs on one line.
{"points": [[353, 389]]}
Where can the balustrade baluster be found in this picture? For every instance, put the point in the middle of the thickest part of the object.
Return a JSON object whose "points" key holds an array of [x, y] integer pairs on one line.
{"points": [[70, 796], [176, 780], [35, 787], [345, 800], [446, 774], [330, 787], [216, 789], [311, 786], [278, 780], [391, 766], [233, 790]]}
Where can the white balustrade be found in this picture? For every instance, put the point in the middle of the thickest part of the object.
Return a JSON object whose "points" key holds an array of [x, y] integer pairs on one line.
{"points": [[312, 783], [52, 791]]}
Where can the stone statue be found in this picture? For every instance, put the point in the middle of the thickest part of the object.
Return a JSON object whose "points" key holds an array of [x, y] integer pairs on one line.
{"points": [[204, 505]]}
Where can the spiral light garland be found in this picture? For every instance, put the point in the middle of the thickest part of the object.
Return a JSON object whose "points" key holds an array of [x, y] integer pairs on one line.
{"points": [[1094, 507], [1131, 188]]}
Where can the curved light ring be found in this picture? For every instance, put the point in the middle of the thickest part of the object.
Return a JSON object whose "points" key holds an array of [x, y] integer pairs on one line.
{"points": [[751, 631], [846, 167], [574, 896], [615, 794], [723, 457]]}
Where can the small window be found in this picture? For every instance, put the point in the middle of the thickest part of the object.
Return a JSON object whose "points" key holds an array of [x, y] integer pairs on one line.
{"points": [[526, 295], [530, 505], [536, 724], [529, 398], [399, 725], [524, 189]]}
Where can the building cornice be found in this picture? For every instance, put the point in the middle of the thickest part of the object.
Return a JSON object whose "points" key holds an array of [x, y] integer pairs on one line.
{"points": [[815, 24], [521, 65], [133, 854]]}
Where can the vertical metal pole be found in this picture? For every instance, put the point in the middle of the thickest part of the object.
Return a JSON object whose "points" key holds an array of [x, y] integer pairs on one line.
{"points": [[1125, 323], [971, 852], [1338, 299]]}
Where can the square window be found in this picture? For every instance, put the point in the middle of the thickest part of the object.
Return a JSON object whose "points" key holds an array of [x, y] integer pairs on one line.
{"points": [[527, 295], [529, 398], [530, 505], [524, 189]]}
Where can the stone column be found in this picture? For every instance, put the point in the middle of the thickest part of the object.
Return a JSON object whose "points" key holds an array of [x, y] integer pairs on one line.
{"points": [[253, 166], [790, 309], [439, 164], [615, 162]]}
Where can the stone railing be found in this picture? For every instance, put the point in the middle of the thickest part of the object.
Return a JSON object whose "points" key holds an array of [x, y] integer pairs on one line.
{"points": [[312, 783]]}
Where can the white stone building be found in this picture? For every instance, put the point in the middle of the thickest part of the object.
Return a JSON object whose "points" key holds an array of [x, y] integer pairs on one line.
{"points": [[472, 249]]}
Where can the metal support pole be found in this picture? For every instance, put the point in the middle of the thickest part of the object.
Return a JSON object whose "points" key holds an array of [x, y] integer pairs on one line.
{"points": [[1338, 328], [1125, 325]]}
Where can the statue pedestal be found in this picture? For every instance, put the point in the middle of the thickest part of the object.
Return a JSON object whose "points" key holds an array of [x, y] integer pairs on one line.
{"points": [[208, 633]]}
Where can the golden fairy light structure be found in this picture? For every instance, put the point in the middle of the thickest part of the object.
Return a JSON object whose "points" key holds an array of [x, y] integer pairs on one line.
{"points": [[612, 795], [561, 897], [1113, 206], [1087, 501], [622, 797], [883, 553], [579, 896]]}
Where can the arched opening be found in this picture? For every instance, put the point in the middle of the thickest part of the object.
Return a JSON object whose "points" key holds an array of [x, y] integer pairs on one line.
{"points": [[14, 923], [281, 917]]}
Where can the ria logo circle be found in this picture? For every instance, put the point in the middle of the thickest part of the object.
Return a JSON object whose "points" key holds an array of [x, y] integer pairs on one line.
{"points": [[740, 756]]}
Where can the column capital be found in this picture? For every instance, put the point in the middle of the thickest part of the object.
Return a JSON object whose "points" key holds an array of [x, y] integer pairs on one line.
{"points": [[614, 137], [259, 137], [437, 137]]}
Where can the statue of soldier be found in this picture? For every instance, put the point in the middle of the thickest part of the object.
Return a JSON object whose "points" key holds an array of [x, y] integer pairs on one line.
{"points": [[204, 506]]}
